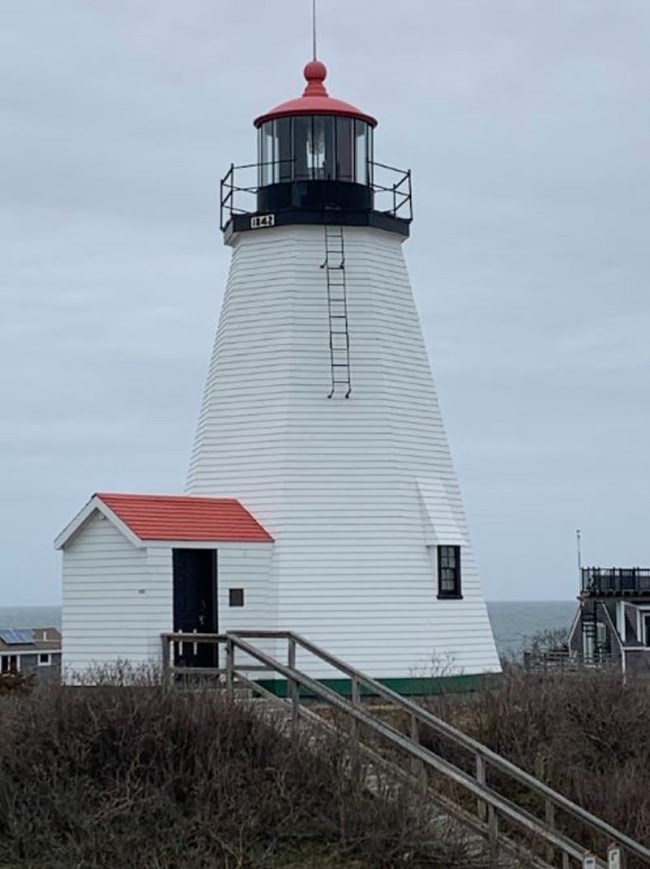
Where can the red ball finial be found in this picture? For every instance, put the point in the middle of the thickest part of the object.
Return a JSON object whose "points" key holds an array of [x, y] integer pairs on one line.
{"points": [[315, 73]]}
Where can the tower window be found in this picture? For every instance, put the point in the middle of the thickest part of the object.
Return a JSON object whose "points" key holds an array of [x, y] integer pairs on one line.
{"points": [[449, 578]]}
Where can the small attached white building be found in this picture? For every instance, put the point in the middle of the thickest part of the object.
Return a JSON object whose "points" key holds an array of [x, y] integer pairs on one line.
{"points": [[138, 566]]}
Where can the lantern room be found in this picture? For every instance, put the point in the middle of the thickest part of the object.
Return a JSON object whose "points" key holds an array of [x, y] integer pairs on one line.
{"points": [[315, 138], [315, 165]]}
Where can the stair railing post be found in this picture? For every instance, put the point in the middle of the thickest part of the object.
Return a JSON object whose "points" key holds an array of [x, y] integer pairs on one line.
{"points": [[355, 693], [481, 779], [166, 673], [616, 856], [230, 668], [549, 813], [294, 691], [493, 836], [417, 766]]}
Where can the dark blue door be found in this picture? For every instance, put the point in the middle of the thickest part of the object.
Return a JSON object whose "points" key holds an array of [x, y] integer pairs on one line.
{"points": [[195, 604]]}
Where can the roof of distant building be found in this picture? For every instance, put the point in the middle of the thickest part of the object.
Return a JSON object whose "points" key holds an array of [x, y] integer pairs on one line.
{"points": [[34, 640]]}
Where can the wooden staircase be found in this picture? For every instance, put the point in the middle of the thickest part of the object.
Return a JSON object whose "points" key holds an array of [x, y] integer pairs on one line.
{"points": [[516, 818]]}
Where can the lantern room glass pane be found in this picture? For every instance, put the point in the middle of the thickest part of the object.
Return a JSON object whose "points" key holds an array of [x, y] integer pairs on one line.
{"points": [[301, 136], [344, 149], [321, 150], [283, 156], [267, 146], [362, 148]]}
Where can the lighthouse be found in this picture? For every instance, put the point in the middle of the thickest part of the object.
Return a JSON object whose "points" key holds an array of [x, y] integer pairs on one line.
{"points": [[320, 412], [321, 496]]}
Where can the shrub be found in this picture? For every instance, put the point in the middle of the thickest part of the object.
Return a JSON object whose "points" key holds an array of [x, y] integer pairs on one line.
{"points": [[146, 777], [586, 734], [17, 683]]}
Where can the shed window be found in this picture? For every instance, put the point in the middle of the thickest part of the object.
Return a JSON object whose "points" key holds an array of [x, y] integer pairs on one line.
{"points": [[236, 596], [44, 659], [449, 575]]}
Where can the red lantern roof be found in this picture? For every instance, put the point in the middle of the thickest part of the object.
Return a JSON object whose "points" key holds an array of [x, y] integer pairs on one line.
{"points": [[315, 100]]}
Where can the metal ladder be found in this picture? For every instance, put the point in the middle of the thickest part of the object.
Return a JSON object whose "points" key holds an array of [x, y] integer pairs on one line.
{"points": [[337, 306]]}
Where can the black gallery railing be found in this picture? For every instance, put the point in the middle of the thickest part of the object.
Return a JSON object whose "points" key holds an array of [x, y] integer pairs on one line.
{"points": [[392, 188], [615, 580]]}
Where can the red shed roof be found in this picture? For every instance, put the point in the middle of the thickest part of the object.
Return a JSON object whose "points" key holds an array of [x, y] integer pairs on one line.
{"points": [[186, 517], [315, 100]]}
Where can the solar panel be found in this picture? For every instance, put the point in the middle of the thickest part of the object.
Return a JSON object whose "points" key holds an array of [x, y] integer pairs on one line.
{"points": [[17, 637]]}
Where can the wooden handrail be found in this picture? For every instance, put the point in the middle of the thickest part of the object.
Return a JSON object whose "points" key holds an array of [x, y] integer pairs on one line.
{"points": [[478, 749], [504, 806], [489, 802]]}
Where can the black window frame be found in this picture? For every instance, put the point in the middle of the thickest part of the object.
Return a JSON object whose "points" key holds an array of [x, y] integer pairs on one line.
{"points": [[450, 576]]}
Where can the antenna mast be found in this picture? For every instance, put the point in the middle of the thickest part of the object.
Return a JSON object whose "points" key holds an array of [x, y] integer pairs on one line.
{"points": [[314, 30]]}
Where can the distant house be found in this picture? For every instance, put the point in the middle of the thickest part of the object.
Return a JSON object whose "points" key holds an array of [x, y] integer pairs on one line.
{"points": [[31, 651], [138, 566], [613, 620]]}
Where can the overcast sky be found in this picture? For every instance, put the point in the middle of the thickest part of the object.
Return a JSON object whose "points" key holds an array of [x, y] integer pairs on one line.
{"points": [[527, 125]]}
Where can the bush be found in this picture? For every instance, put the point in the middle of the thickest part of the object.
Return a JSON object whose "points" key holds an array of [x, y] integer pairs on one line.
{"points": [[17, 682], [150, 778], [586, 734]]}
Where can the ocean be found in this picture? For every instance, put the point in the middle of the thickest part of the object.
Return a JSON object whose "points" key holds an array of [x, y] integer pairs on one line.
{"points": [[512, 621]]}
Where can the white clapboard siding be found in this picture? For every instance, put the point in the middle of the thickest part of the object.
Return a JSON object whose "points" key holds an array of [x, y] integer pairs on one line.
{"points": [[355, 492], [247, 568], [117, 599]]}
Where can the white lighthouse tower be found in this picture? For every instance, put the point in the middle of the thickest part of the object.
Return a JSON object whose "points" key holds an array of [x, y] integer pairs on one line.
{"points": [[320, 412]]}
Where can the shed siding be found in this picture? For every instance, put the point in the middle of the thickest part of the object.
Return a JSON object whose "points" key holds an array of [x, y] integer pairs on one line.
{"points": [[351, 490], [247, 568], [117, 599]]}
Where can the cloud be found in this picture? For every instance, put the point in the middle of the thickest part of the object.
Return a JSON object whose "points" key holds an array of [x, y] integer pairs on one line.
{"points": [[527, 126]]}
